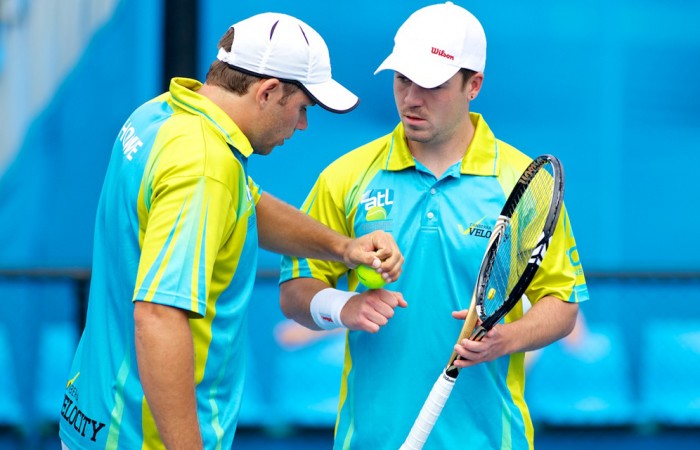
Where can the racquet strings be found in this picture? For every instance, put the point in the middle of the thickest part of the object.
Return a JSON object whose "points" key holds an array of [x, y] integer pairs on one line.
{"points": [[521, 236]]}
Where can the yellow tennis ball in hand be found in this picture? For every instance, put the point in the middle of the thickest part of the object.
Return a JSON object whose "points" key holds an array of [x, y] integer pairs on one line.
{"points": [[369, 277]]}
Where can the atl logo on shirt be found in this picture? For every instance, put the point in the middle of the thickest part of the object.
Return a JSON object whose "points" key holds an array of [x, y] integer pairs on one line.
{"points": [[377, 204]]}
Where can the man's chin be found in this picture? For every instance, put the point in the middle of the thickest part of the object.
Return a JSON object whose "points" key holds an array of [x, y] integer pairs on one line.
{"points": [[416, 137], [263, 151]]}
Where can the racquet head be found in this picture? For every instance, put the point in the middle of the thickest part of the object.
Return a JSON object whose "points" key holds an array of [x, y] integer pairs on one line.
{"points": [[522, 232]]}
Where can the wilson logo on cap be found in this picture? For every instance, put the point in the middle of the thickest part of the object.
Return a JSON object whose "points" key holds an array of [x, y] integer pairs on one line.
{"points": [[443, 53]]}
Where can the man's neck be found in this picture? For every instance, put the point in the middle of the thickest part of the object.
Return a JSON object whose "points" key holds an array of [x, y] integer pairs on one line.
{"points": [[233, 105], [440, 156]]}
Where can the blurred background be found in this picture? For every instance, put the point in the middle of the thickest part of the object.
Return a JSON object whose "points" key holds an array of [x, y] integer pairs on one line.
{"points": [[611, 88]]}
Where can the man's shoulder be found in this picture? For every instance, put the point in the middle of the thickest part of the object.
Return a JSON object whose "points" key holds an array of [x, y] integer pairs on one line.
{"points": [[511, 159]]}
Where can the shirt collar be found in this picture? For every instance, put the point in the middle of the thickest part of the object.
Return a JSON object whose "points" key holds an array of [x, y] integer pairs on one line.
{"points": [[183, 92], [481, 157]]}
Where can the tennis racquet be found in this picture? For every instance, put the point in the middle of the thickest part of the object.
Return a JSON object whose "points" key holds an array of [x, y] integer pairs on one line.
{"points": [[515, 250]]}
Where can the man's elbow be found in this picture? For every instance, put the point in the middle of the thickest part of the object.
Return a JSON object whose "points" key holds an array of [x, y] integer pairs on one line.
{"points": [[287, 299], [570, 317]]}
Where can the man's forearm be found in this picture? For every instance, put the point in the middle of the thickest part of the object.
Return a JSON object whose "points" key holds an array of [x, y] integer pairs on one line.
{"points": [[548, 320], [165, 356], [286, 230], [295, 296]]}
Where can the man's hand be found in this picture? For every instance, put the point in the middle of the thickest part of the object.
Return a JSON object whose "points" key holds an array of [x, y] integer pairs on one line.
{"points": [[548, 320], [371, 309], [491, 346], [378, 250]]}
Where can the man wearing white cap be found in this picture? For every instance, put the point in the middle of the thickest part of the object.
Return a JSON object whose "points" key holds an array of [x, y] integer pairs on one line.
{"points": [[437, 183], [161, 362]]}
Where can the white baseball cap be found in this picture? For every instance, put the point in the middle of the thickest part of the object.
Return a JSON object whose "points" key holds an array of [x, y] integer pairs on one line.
{"points": [[273, 45], [435, 42]]}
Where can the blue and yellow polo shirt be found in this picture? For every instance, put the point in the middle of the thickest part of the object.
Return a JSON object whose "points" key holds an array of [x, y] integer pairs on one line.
{"points": [[442, 227], [176, 225]]}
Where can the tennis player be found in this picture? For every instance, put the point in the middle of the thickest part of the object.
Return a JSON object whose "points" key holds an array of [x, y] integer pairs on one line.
{"points": [[161, 362], [437, 182]]}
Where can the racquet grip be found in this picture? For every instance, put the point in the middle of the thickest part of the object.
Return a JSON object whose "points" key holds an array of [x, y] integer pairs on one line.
{"points": [[429, 413]]}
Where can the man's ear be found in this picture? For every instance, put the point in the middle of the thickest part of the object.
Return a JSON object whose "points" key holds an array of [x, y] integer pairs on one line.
{"points": [[474, 85], [267, 90]]}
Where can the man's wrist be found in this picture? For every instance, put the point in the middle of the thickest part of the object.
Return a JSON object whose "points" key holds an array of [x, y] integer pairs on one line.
{"points": [[343, 249], [326, 306]]}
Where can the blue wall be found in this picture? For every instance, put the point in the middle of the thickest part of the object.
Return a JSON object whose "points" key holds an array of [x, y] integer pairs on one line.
{"points": [[609, 87], [49, 191]]}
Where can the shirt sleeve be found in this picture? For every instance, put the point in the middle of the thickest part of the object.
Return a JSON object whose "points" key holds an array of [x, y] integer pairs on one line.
{"points": [[255, 190], [189, 217], [561, 274]]}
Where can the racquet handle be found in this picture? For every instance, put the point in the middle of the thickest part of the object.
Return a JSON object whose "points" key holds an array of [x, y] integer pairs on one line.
{"points": [[429, 413], [467, 330]]}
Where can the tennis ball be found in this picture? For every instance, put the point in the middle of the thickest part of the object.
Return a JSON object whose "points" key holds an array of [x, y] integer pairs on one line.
{"points": [[369, 277]]}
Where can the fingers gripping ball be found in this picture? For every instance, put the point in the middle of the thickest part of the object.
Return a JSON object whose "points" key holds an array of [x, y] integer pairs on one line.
{"points": [[369, 277]]}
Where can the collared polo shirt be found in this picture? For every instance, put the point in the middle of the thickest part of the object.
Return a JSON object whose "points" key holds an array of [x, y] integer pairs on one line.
{"points": [[176, 226], [442, 226]]}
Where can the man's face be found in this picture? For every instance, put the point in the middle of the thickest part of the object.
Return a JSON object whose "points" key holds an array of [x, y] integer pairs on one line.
{"points": [[431, 116], [279, 120]]}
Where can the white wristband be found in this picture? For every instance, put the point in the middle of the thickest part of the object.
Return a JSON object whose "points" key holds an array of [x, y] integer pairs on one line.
{"points": [[326, 306]]}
